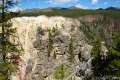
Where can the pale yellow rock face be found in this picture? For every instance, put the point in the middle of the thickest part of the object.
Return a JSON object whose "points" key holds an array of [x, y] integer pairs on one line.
{"points": [[27, 35]]}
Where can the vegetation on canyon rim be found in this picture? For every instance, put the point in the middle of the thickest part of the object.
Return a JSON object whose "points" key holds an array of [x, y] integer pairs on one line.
{"points": [[8, 64], [75, 13], [109, 65], [101, 65]]}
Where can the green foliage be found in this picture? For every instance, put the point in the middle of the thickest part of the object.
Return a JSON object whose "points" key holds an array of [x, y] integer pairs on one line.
{"points": [[73, 13], [11, 48], [65, 13], [2, 77], [97, 32], [60, 73], [110, 66], [116, 41], [96, 48], [96, 62], [113, 53], [54, 55], [38, 42], [51, 35], [50, 42], [6, 46], [86, 30], [4, 68], [94, 30], [113, 67], [71, 54]]}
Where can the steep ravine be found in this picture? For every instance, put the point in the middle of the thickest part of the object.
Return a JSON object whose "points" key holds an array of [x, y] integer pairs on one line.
{"points": [[46, 42]]}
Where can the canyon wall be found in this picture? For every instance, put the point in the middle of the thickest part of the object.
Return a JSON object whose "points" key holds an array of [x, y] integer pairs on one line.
{"points": [[48, 43]]}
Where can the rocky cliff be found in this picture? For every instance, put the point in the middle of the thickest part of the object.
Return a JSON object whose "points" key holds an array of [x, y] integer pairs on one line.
{"points": [[54, 45]]}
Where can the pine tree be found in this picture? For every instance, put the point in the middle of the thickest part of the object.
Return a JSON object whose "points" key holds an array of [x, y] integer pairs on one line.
{"points": [[96, 62], [51, 35], [71, 54], [7, 64], [110, 66], [113, 68], [60, 72], [50, 42]]}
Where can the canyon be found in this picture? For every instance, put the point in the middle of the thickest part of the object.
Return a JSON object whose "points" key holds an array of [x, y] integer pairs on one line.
{"points": [[47, 42]]}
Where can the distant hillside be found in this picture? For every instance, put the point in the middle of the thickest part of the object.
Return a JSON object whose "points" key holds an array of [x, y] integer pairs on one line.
{"points": [[71, 12], [110, 8], [48, 9], [113, 8]]}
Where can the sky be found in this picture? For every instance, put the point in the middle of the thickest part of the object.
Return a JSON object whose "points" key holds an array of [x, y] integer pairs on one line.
{"points": [[85, 4]]}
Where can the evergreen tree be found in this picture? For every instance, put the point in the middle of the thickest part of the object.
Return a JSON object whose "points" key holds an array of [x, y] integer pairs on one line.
{"points": [[71, 54], [113, 68], [60, 73], [50, 42], [97, 62], [110, 66], [7, 63], [51, 35]]}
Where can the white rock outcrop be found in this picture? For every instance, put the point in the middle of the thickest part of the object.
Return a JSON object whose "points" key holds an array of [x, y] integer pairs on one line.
{"points": [[35, 65]]}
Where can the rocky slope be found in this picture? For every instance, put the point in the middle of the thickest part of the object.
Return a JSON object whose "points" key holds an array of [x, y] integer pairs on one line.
{"points": [[48, 44]]}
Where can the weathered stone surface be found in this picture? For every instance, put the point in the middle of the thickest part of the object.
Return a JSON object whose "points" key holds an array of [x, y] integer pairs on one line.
{"points": [[33, 34]]}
